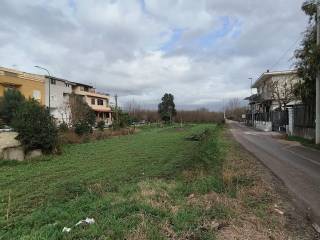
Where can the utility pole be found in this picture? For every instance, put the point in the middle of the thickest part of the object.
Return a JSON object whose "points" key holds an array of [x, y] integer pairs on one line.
{"points": [[170, 112], [252, 106], [318, 80], [117, 113], [224, 109]]}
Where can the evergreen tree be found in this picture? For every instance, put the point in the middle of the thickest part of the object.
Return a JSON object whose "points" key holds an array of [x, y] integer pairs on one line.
{"points": [[166, 108], [307, 58], [9, 104], [36, 127]]}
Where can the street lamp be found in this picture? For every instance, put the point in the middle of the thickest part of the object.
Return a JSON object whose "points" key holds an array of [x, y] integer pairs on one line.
{"points": [[49, 82], [252, 106]]}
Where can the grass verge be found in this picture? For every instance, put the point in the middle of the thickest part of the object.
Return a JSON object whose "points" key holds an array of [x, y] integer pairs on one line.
{"points": [[305, 142]]}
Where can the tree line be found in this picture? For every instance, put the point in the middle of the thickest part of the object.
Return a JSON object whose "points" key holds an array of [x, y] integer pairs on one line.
{"points": [[167, 112]]}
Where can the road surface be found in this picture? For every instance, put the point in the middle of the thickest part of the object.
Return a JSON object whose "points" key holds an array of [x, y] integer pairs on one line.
{"points": [[297, 166]]}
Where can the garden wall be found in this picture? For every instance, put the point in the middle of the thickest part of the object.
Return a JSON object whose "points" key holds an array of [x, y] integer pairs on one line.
{"points": [[11, 149]]}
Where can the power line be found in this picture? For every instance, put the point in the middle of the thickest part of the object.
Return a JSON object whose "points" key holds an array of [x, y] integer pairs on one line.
{"points": [[286, 52]]}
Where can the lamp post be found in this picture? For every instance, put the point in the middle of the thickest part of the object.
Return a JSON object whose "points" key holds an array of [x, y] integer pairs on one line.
{"points": [[49, 82], [252, 108]]}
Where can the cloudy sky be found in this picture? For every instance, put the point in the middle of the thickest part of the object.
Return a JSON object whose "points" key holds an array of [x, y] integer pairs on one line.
{"points": [[202, 51]]}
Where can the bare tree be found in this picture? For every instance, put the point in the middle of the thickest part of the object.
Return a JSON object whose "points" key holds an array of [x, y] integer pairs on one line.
{"points": [[201, 115], [234, 109], [132, 107], [282, 91], [65, 112], [80, 110]]}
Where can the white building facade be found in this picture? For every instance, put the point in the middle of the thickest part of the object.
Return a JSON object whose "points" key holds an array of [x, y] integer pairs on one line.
{"points": [[274, 88], [275, 96], [57, 97]]}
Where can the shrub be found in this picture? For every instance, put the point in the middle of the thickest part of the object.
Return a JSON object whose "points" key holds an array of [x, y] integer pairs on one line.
{"points": [[63, 127], [100, 125], [36, 127], [82, 127], [9, 104], [121, 119]]}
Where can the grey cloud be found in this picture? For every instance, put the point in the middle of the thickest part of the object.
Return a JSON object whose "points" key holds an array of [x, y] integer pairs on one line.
{"points": [[114, 45]]}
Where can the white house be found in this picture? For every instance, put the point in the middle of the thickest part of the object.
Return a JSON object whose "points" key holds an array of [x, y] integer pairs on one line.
{"points": [[275, 93], [57, 97], [275, 90]]}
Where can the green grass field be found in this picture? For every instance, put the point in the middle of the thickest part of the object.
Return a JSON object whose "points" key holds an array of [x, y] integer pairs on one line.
{"points": [[135, 187]]}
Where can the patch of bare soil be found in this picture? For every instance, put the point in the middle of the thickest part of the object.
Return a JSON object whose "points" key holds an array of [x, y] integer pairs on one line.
{"points": [[263, 209]]}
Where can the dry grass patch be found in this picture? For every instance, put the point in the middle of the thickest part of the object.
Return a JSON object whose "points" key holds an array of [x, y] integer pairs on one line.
{"points": [[141, 232], [70, 137], [155, 193]]}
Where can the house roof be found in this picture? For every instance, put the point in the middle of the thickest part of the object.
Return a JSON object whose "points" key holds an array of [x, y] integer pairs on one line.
{"points": [[67, 81], [253, 98], [21, 74], [62, 80], [82, 84], [32, 76], [267, 75]]}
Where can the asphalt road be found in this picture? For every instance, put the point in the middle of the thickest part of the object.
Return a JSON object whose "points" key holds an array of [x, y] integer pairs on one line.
{"points": [[297, 166]]}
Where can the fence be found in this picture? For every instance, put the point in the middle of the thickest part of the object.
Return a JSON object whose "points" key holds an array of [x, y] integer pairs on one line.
{"points": [[304, 116], [303, 121], [258, 117], [277, 119], [300, 121], [263, 117]]}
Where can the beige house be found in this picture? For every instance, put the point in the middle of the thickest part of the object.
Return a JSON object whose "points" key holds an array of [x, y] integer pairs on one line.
{"points": [[99, 102], [275, 90], [268, 108]]}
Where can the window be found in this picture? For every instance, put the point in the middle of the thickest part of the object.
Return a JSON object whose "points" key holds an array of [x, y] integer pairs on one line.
{"points": [[36, 95], [100, 101], [67, 85], [11, 87], [86, 89], [53, 81], [93, 101]]}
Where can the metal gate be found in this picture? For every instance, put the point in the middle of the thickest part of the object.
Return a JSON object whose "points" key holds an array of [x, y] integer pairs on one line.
{"points": [[279, 120]]}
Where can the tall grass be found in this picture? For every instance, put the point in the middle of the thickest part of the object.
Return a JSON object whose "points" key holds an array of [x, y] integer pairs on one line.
{"points": [[135, 187]]}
